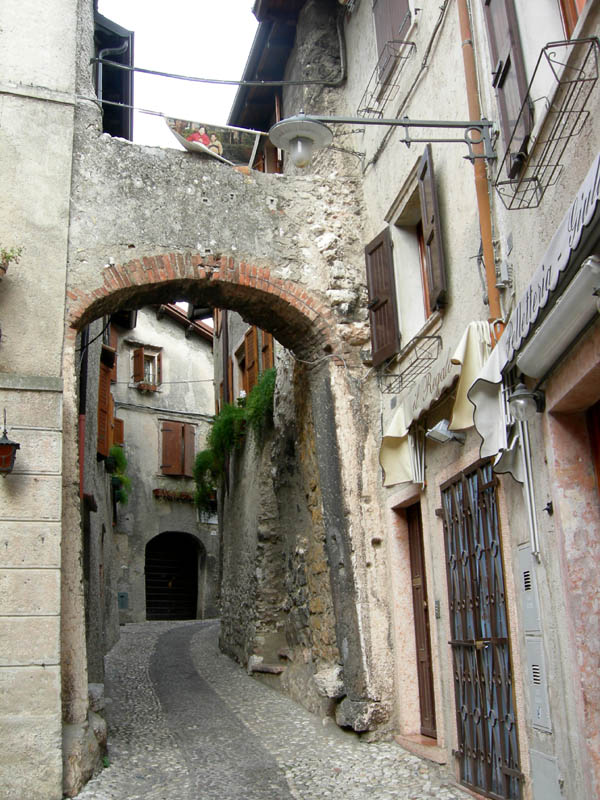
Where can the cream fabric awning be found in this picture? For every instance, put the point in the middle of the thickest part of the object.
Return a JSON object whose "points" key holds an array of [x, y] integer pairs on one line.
{"points": [[471, 354], [396, 452]]}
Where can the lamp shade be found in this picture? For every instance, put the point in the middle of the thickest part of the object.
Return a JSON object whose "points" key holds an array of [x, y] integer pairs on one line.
{"points": [[524, 404], [300, 136]]}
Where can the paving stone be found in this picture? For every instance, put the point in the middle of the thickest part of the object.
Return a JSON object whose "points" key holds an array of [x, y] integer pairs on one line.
{"points": [[186, 722]]}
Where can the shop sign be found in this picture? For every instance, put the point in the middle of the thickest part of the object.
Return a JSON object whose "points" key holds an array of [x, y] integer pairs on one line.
{"points": [[557, 257]]}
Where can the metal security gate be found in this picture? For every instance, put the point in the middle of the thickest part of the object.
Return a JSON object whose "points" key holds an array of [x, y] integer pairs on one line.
{"points": [[487, 732]]}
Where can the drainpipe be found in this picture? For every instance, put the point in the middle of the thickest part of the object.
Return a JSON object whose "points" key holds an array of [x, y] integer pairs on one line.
{"points": [[108, 51], [481, 181]]}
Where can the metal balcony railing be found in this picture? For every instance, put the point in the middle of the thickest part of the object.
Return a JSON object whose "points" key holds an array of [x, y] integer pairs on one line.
{"points": [[384, 83], [415, 359]]}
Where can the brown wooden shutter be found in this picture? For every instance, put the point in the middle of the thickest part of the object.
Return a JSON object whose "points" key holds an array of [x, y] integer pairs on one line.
{"points": [[267, 351], [432, 233], [159, 368], [383, 311], [251, 358], [104, 417], [390, 18], [189, 449], [114, 341], [172, 448], [138, 364], [118, 431], [509, 78]]}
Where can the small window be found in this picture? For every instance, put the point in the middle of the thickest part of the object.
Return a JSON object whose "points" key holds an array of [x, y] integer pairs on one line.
{"points": [[147, 368], [178, 448]]}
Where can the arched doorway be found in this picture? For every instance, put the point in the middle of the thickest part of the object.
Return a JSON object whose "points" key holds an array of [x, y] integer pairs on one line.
{"points": [[173, 564]]}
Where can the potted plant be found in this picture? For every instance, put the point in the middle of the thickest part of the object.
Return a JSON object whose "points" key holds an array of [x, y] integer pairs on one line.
{"points": [[6, 256], [119, 480]]}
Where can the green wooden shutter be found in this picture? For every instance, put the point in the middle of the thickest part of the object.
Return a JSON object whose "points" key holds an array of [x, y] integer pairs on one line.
{"points": [[432, 233], [383, 311], [509, 79]]}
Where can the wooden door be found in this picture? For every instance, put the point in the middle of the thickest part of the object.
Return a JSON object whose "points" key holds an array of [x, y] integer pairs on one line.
{"points": [[421, 617]]}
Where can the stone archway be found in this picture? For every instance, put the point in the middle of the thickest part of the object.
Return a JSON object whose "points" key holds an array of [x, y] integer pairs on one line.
{"points": [[173, 567]]}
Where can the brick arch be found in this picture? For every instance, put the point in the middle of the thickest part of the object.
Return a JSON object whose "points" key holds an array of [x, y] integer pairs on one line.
{"points": [[297, 319]]}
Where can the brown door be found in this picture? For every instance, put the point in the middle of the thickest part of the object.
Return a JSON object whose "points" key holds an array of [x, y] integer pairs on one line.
{"points": [[423, 641]]}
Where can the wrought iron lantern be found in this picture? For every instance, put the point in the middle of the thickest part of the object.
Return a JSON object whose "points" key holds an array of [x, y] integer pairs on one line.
{"points": [[8, 452]]}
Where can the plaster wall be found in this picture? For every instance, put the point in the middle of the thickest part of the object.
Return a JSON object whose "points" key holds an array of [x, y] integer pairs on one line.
{"points": [[37, 79]]}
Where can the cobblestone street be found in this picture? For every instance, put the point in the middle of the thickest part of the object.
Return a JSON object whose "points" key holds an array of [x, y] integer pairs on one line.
{"points": [[186, 722]]}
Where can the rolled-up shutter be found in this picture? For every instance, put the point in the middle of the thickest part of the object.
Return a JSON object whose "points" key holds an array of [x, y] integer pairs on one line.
{"points": [[432, 233], [383, 311]]}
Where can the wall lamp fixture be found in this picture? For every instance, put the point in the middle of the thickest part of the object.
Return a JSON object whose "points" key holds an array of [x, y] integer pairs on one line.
{"points": [[441, 433], [8, 452], [301, 135], [525, 403]]}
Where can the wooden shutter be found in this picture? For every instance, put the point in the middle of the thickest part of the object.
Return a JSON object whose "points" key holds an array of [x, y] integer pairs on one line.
{"points": [[159, 368], [432, 233], [267, 351], [172, 448], [114, 341], [189, 449], [118, 431], [251, 358], [390, 18], [509, 79], [138, 364], [571, 10], [104, 418], [383, 311]]}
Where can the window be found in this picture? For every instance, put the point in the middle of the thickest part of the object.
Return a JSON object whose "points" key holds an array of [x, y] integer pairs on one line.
{"points": [[415, 239], [178, 448], [147, 367], [392, 18]]}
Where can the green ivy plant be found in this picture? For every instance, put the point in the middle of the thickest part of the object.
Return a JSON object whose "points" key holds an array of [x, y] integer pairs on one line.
{"points": [[227, 434], [8, 254], [121, 481]]}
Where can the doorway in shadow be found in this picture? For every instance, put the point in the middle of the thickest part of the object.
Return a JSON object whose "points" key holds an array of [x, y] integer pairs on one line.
{"points": [[172, 567]]}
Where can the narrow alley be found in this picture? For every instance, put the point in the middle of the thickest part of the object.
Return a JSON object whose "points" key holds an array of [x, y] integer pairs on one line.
{"points": [[187, 722]]}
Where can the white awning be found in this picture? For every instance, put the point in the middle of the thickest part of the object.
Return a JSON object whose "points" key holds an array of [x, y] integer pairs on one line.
{"points": [[471, 354], [397, 454]]}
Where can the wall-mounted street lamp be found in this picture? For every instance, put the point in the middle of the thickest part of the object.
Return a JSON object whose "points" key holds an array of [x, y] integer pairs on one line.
{"points": [[301, 135], [525, 403], [8, 452], [441, 433]]}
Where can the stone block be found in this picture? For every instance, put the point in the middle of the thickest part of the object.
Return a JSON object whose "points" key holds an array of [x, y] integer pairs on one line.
{"points": [[40, 451], [29, 640], [30, 691], [360, 715], [30, 758], [31, 408], [96, 696], [330, 682], [31, 497], [29, 544], [29, 591]]}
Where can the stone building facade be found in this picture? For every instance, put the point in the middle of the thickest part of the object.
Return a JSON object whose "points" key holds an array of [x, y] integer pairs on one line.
{"points": [[106, 225]]}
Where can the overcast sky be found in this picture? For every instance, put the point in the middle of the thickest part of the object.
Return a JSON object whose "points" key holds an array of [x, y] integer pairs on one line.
{"points": [[200, 38]]}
